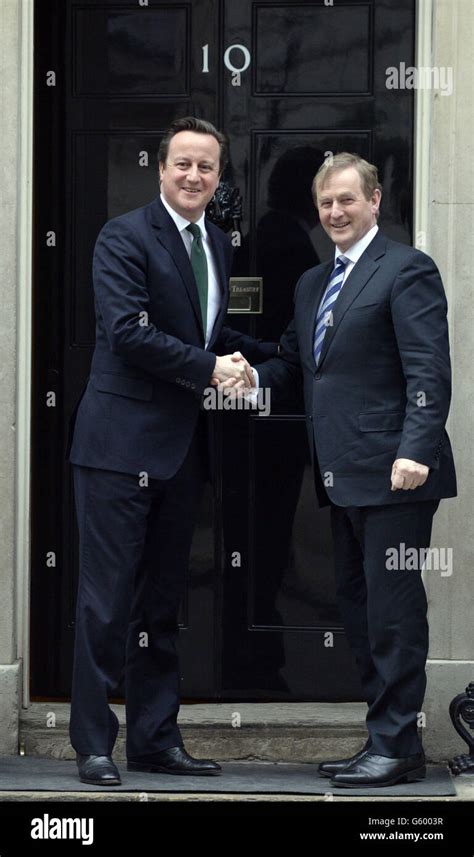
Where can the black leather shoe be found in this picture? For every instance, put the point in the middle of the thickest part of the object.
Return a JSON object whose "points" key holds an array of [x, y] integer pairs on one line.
{"points": [[174, 761], [329, 769], [98, 770], [372, 771]]}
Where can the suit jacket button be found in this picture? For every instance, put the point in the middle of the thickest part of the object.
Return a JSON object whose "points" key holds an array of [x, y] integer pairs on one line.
{"points": [[317, 376], [188, 383], [310, 418]]}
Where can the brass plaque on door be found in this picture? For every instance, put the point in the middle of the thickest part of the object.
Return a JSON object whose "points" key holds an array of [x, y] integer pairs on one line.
{"points": [[246, 295]]}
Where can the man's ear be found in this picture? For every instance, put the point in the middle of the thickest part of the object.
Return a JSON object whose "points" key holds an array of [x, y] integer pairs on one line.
{"points": [[376, 199], [161, 167]]}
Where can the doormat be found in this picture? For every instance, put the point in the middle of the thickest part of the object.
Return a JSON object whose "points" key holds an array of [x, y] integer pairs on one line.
{"points": [[30, 773]]}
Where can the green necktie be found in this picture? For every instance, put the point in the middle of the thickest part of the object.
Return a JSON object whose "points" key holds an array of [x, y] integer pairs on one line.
{"points": [[199, 266]]}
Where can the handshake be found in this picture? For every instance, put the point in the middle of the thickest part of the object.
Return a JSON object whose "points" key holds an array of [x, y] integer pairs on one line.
{"points": [[233, 374]]}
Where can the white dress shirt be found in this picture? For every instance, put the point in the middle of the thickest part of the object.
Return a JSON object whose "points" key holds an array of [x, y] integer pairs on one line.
{"points": [[214, 292], [355, 252]]}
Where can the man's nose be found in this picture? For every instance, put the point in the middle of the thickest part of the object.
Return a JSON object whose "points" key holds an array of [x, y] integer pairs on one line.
{"points": [[336, 211], [193, 173]]}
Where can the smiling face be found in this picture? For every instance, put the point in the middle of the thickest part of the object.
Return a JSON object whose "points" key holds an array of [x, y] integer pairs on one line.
{"points": [[345, 213], [190, 175]]}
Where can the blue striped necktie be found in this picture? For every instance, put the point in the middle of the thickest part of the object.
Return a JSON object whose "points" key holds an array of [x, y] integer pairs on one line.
{"points": [[324, 317]]}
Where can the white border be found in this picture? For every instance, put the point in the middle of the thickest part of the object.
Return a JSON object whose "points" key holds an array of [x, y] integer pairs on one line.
{"points": [[24, 335], [422, 131]]}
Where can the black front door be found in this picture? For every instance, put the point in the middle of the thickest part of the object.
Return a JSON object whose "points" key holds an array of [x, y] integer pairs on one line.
{"points": [[290, 82]]}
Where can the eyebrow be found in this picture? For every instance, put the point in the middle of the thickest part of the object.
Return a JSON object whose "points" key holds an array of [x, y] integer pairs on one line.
{"points": [[204, 163], [337, 195]]}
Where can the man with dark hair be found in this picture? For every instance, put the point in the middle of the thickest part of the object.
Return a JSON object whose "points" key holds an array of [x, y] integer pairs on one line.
{"points": [[139, 453], [198, 126], [370, 337]]}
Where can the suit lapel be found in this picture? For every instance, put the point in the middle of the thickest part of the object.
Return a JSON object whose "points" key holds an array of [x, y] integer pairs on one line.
{"points": [[320, 283], [217, 247], [169, 237]]}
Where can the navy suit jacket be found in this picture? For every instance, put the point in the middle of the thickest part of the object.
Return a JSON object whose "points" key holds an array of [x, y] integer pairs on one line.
{"points": [[382, 387], [140, 408]]}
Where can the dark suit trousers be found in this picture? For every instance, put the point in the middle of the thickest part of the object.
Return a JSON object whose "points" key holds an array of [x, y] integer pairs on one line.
{"points": [[134, 550], [384, 616]]}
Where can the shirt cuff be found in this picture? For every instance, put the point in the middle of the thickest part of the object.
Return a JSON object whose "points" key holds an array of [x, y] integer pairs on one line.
{"points": [[252, 395]]}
